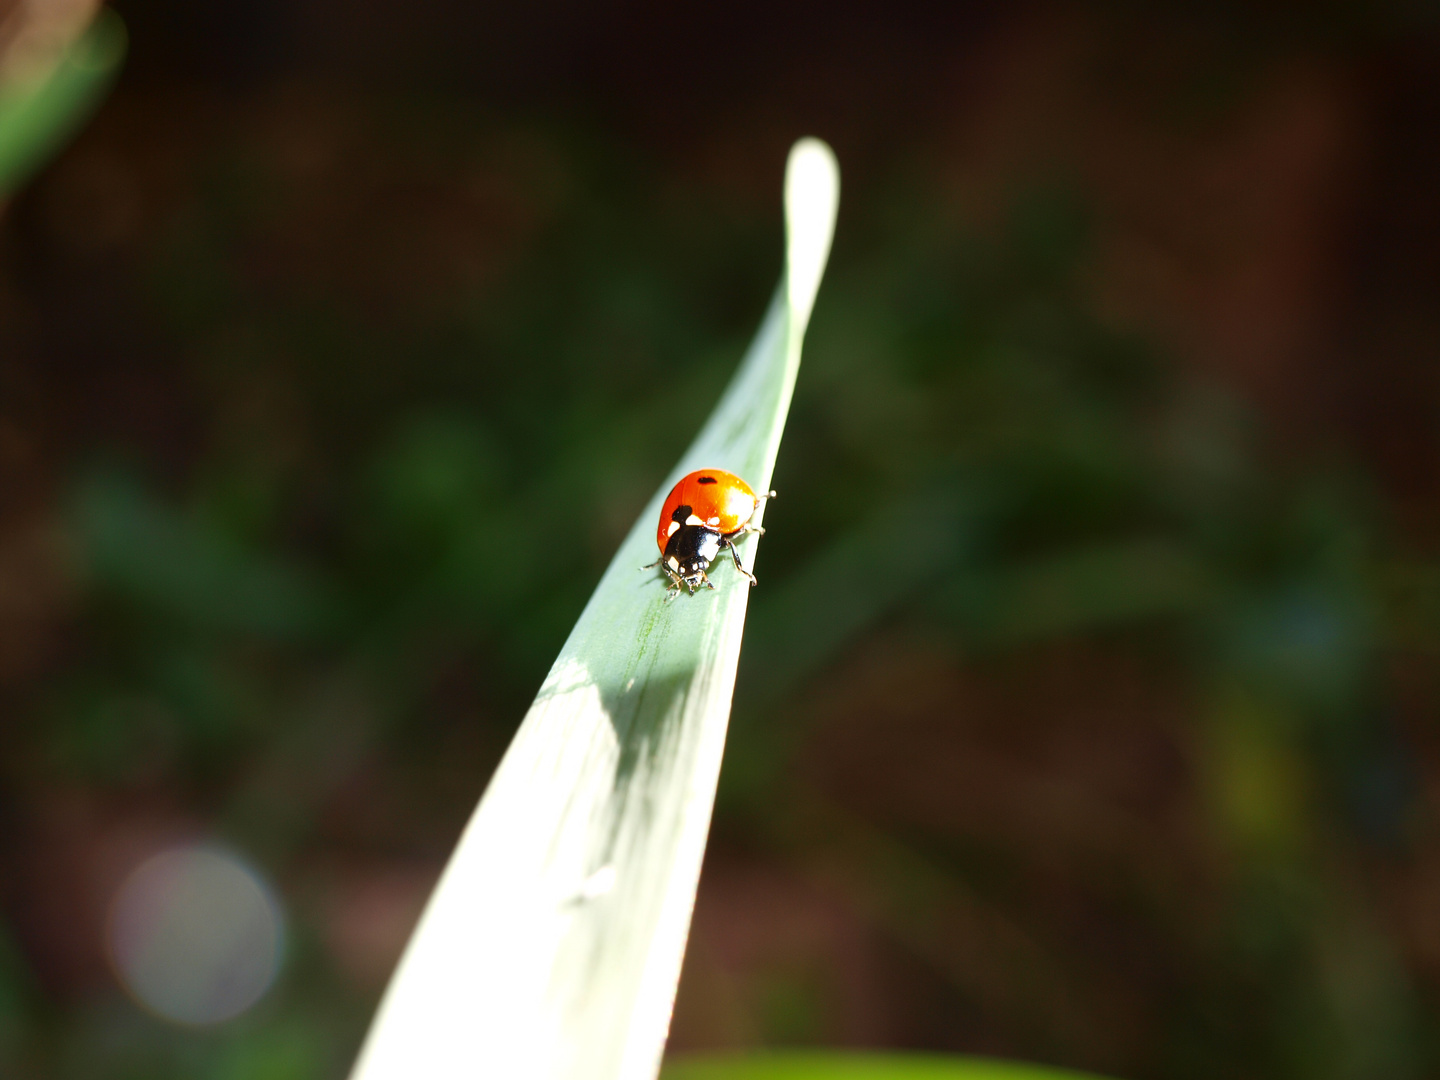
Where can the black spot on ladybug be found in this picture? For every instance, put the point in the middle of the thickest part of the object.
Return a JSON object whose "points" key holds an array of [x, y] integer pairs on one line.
{"points": [[707, 480], [681, 513]]}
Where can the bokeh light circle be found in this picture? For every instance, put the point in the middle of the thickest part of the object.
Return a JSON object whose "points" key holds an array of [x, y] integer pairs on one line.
{"points": [[195, 935]]}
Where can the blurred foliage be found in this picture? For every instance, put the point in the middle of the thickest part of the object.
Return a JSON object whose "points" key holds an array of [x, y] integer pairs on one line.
{"points": [[814, 1066], [37, 113], [1076, 719]]}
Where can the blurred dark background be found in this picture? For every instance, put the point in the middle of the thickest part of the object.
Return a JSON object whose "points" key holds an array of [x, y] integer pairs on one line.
{"points": [[1088, 709]]}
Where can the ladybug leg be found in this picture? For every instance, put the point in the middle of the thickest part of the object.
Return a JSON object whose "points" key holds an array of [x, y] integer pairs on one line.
{"points": [[734, 554], [672, 587]]}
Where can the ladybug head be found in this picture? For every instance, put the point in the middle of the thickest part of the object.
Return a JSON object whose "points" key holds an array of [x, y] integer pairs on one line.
{"points": [[691, 547]]}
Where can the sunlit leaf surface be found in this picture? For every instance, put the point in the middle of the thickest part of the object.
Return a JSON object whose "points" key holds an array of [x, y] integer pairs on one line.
{"points": [[552, 945]]}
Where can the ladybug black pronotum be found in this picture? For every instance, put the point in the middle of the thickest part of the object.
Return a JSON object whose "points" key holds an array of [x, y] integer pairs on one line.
{"points": [[704, 512]]}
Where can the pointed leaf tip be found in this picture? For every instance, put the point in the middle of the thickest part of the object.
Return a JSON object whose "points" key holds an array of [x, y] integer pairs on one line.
{"points": [[812, 195]]}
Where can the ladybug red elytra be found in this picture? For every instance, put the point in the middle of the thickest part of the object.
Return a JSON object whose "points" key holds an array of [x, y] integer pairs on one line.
{"points": [[704, 512]]}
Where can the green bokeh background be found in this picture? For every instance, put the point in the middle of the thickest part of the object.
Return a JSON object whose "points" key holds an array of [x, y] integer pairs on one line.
{"points": [[1087, 709]]}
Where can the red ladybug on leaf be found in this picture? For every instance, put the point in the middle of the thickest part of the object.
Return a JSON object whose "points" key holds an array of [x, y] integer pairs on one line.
{"points": [[704, 512]]}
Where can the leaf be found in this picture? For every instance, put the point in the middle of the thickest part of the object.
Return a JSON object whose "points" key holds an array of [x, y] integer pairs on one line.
{"points": [[808, 1065], [551, 947], [37, 114]]}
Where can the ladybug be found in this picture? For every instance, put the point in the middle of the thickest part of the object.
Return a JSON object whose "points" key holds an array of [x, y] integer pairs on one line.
{"points": [[704, 512]]}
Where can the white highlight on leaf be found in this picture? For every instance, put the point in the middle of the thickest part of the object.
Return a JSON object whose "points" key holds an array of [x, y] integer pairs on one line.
{"points": [[598, 883], [494, 910], [812, 195]]}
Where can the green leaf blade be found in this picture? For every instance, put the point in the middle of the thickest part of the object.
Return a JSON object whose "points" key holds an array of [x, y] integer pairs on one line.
{"points": [[552, 945], [37, 116]]}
